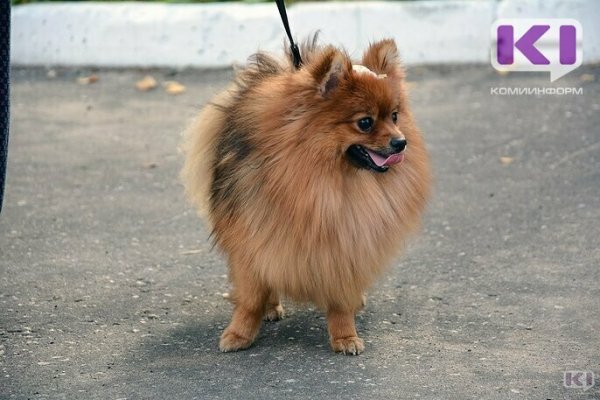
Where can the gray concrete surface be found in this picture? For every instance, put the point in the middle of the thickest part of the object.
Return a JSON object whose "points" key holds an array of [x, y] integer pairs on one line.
{"points": [[109, 288]]}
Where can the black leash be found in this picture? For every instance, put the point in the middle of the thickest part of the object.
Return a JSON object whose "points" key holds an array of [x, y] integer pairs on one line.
{"points": [[293, 47], [4, 81]]}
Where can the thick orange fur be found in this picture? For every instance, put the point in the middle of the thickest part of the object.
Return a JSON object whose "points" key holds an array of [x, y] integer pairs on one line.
{"points": [[266, 163]]}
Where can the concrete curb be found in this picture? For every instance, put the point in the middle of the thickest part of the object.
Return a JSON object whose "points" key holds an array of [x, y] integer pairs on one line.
{"points": [[221, 34]]}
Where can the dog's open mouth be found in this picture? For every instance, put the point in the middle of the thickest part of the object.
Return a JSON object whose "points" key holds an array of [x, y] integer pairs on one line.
{"points": [[363, 157]]}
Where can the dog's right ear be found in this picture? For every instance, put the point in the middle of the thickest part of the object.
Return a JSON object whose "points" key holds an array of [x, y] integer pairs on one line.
{"points": [[329, 69], [383, 59]]}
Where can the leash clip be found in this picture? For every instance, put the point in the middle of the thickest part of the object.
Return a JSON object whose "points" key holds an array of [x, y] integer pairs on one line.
{"points": [[296, 59]]}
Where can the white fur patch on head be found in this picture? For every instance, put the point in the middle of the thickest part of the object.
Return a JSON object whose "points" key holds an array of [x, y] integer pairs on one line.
{"points": [[361, 69]]}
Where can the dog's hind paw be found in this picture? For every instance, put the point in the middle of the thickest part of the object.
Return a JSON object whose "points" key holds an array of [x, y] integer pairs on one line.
{"points": [[274, 313], [352, 345]]}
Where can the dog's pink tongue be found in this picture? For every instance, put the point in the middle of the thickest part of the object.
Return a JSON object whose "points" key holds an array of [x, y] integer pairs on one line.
{"points": [[381, 161]]}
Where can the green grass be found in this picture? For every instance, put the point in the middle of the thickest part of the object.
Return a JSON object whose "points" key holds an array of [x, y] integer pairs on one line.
{"points": [[16, 2]]}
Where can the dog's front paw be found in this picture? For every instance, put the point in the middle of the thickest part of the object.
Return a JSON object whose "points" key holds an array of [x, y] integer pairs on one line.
{"points": [[274, 313], [352, 345], [231, 341]]}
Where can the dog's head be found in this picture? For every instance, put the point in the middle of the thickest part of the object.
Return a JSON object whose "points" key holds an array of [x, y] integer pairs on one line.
{"points": [[363, 105]]}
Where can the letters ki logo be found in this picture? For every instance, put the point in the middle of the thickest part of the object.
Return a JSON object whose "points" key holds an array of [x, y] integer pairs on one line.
{"points": [[553, 45], [578, 379]]}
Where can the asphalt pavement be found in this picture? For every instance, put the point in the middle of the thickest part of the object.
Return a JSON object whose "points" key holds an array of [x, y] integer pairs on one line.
{"points": [[109, 287]]}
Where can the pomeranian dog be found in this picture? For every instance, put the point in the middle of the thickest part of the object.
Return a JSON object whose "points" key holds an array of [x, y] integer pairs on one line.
{"points": [[310, 180]]}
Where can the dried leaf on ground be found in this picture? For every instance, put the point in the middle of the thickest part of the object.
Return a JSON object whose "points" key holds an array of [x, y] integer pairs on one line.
{"points": [[506, 160], [146, 83], [190, 252], [174, 87], [86, 80]]}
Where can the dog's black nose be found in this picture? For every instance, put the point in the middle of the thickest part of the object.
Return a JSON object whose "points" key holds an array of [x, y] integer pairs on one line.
{"points": [[398, 144]]}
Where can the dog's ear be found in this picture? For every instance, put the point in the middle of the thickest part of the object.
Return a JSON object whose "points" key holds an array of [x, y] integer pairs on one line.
{"points": [[329, 70], [382, 58]]}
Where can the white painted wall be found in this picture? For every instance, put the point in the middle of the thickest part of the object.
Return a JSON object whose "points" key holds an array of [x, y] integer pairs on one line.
{"points": [[221, 34]]}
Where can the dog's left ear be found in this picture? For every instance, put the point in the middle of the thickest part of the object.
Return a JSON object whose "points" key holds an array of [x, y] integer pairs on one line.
{"points": [[382, 58], [330, 69]]}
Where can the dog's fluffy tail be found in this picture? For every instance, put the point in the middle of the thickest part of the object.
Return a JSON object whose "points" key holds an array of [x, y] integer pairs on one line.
{"points": [[199, 148]]}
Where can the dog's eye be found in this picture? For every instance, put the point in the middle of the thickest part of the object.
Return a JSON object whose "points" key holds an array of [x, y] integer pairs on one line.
{"points": [[395, 116], [365, 124]]}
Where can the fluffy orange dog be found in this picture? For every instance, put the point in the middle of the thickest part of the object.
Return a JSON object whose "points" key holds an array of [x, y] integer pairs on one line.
{"points": [[310, 179]]}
